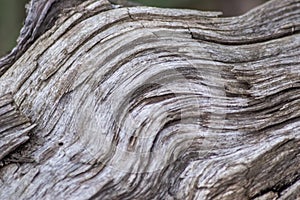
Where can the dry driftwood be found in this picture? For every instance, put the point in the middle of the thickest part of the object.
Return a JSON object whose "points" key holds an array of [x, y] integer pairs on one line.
{"points": [[113, 102]]}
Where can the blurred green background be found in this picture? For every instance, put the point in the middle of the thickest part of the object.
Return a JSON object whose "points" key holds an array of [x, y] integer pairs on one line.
{"points": [[12, 13]]}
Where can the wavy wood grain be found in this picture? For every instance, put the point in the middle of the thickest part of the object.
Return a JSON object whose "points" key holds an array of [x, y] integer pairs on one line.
{"points": [[152, 103], [14, 127]]}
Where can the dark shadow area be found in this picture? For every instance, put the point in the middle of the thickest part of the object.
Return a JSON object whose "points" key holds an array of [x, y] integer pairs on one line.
{"points": [[228, 7]]}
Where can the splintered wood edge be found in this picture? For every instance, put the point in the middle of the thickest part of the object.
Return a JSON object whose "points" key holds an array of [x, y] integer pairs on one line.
{"points": [[14, 126]]}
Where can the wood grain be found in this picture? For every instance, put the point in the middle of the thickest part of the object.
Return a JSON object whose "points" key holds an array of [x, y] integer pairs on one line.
{"points": [[151, 103]]}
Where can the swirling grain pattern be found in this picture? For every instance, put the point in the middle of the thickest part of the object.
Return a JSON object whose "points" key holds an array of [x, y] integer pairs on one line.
{"points": [[151, 103]]}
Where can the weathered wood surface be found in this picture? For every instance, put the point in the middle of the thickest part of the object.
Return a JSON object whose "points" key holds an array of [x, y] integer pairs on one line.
{"points": [[150, 103], [14, 127]]}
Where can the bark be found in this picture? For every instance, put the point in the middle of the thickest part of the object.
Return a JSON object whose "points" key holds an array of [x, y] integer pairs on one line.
{"points": [[114, 102]]}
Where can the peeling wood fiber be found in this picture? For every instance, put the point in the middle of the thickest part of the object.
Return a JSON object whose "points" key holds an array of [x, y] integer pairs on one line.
{"points": [[151, 103]]}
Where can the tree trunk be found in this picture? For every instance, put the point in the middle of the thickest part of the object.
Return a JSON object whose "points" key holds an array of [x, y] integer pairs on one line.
{"points": [[115, 102]]}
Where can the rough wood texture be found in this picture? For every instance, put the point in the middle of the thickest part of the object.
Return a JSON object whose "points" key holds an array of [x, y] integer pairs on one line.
{"points": [[150, 103], [14, 127]]}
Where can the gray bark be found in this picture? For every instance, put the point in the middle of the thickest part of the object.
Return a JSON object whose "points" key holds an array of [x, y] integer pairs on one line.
{"points": [[114, 102]]}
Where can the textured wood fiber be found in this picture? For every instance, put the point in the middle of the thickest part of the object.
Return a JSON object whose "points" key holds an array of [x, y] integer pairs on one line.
{"points": [[151, 103], [14, 127]]}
